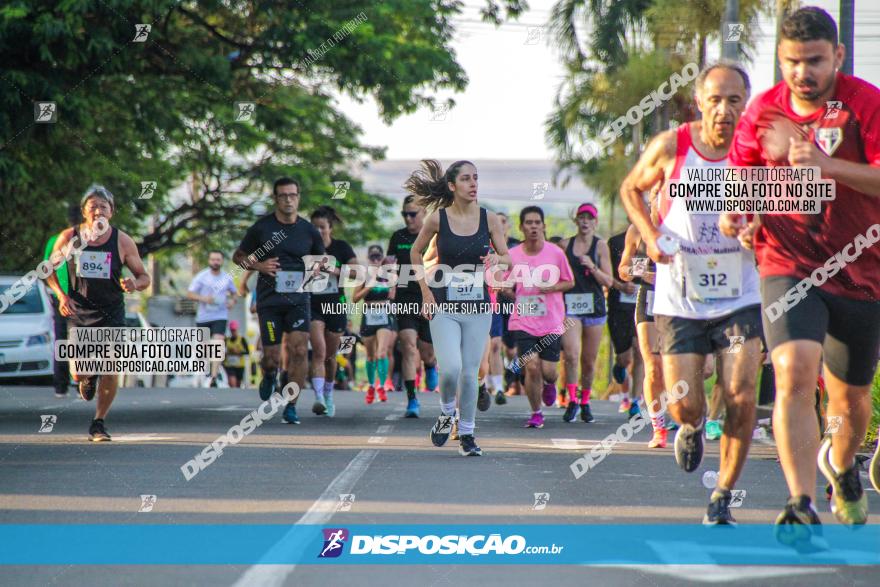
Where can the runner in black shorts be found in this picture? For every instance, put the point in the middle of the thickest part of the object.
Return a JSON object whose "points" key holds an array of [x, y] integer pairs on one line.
{"points": [[276, 246], [96, 290], [621, 323], [414, 330], [328, 319], [378, 326]]}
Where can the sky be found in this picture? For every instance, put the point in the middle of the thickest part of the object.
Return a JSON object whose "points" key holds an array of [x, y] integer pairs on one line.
{"points": [[514, 74]]}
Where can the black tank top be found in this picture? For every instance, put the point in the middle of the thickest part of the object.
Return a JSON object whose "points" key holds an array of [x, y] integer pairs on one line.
{"points": [[378, 293], [94, 289], [584, 282], [454, 250]]}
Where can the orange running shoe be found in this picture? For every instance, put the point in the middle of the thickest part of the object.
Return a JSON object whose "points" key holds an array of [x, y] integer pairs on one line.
{"points": [[659, 439], [371, 394], [562, 400], [382, 396]]}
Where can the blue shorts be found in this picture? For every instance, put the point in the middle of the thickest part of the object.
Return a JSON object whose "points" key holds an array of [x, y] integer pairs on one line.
{"points": [[589, 320], [497, 328]]}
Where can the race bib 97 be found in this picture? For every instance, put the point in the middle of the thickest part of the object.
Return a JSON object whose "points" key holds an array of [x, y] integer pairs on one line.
{"points": [[288, 281], [626, 298], [95, 264], [376, 317]]}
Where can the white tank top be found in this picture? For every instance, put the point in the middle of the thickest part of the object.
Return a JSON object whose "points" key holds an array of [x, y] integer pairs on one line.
{"points": [[712, 275]]}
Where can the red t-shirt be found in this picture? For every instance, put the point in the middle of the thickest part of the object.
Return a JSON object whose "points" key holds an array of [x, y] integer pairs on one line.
{"points": [[794, 245]]}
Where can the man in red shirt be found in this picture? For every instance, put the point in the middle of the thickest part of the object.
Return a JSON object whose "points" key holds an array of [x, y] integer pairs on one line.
{"points": [[819, 283]]}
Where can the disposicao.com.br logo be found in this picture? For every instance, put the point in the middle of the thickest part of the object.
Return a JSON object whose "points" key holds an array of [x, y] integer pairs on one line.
{"points": [[402, 544]]}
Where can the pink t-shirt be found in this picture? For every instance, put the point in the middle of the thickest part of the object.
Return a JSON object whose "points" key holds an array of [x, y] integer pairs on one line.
{"points": [[547, 311]]}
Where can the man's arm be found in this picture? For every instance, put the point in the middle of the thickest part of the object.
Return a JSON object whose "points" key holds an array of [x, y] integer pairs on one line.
{"points": [[132, 260], [650, 169]]}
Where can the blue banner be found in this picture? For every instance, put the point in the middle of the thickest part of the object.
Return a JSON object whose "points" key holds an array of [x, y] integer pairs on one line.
{"points": [[483, 544]]}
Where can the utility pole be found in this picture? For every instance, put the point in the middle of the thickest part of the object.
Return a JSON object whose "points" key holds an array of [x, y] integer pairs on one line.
{"points": [[847, 33], [731, 29]]}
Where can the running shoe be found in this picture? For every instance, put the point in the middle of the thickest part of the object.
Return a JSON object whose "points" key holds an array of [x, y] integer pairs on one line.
{"points": [[689, 447], [849, 504], [412, 409], [625, 405], [60, 393], [267, 386], [319, 408], [371, 394], [562, 399], [290, 416], [442, 429], [536, 421], [454, 434], [88, 387], [633, 410], [659, 439], [484, 398], [549, 394], [671, 425], [798, 521], [587, 413], [467, 446], [213, 382], [432, 378], [331, 407], [500, 398], [97, 433], [571, 412], [874, 469], [713, 429], [718, 512], [382, 396]]}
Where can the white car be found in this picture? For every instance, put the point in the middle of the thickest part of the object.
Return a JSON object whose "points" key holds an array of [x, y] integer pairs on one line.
{"points": [[27, 339]]}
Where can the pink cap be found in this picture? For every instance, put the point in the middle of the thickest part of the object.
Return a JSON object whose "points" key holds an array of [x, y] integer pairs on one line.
{"points": [[233, 325], [589, 209]]}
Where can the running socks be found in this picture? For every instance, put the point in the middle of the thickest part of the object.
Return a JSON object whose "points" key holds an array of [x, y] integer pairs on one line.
{"points": [[658, 422], [619, 373], [449, 410], [371, 373], [496, 382], [465, 427], [328, 388], [382, 367], [318, 386], [572, 390], [410, 385], [585, 396]]}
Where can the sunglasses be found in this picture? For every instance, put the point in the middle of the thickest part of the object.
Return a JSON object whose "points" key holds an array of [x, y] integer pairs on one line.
{"points": [[375, 257], [409, 214]]}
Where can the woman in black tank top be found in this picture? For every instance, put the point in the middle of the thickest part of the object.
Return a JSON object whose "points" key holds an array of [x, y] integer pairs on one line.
{"points": [[454, 293], [590, 262]]}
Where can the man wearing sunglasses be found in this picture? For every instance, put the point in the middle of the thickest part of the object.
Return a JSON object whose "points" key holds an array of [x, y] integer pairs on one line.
{"points": [[414, 332]]}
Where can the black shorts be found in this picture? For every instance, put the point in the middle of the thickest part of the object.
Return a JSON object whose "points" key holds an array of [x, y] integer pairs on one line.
{"points": [[407, 320], [371, 330], [237, 372], [87, 316], [547, 347], [702, 337], [216, 326], [644, 311], [622, 326], [497, 328], [333, 321], [276, 320], [848, 330]]}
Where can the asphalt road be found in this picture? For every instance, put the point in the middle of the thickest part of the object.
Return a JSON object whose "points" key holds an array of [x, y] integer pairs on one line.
{"points": [[280, 474]]}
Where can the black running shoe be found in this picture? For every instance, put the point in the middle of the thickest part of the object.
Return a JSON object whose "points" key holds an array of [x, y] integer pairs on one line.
{"points": [[441, 430], [88, 387], [501, 399], [467, 446], [267, 386], [484, 399], [571, 412], [97, 433], [718, 512], [213, 382], [689, 447], [587, 414], [798, 521]]}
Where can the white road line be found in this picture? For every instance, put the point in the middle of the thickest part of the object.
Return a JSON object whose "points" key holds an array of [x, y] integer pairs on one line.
{"points": [[384, 429], [376, 440], [320, 513], [392, 417], [714, 574]]}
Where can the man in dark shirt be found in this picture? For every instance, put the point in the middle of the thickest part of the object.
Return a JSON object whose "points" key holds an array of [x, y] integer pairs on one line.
{"points": [[621, 319], [277, 246]]}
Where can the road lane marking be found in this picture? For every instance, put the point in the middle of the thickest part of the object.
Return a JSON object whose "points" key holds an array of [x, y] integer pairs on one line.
{"points": [[321, 511], [384, 429], [377, 440]]}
